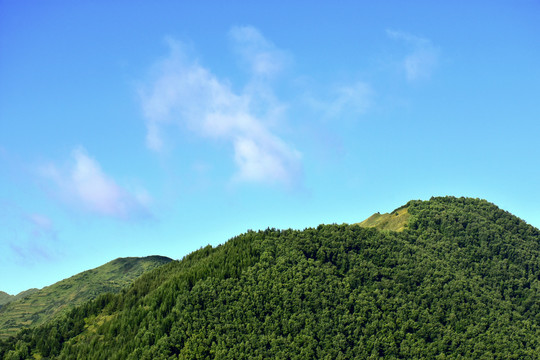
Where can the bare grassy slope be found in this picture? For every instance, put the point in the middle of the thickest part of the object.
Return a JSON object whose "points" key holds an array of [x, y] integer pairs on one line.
{"points": [[397, 220], [42, 305]]}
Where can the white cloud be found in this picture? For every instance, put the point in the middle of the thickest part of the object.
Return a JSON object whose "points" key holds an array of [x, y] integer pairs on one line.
{"points": [[265, 158], [262, 57], [423, 58], [187, 94], [84, 184], [353, 99], [346, 100]]}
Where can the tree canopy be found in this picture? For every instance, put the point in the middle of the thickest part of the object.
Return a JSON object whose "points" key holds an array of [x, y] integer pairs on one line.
{"points": [[462, 280]]}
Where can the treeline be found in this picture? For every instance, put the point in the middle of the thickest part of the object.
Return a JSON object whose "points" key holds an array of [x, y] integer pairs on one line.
{"points": [[462, 281]]}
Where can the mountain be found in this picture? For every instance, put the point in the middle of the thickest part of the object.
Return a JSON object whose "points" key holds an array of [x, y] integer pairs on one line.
{"points": [[461, 279], [34, 307], [7, 298]]}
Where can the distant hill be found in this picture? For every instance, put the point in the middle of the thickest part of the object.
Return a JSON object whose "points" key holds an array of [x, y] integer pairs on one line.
{"points": [[7, 298], [34, 307], [460, 280]]}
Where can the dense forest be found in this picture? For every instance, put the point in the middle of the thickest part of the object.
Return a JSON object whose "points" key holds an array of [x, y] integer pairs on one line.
{"points": [[461, 280]]}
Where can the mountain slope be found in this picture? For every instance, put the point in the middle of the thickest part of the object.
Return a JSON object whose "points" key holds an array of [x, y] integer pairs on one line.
{"points": [[34, 307], [461, 280], [397, 220], [7, 298]]}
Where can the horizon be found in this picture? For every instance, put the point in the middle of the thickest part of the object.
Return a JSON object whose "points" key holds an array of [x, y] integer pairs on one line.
{"points": [[169, 127], [175, 259]]}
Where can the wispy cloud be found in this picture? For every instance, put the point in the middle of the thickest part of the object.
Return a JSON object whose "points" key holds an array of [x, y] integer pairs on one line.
{"points": [[343, 101], [422, 58], [38, 241], [28, 238], [261, 56], [186, 93], [41, 223], [84, 184]]}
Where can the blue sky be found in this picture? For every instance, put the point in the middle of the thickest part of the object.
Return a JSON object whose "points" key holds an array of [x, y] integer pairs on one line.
{"points": [[132, 128]]}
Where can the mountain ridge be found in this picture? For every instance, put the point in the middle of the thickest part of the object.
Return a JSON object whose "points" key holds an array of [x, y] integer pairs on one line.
{"points": [[397, 220], [461, 280], [35, 306], [6, 298]]}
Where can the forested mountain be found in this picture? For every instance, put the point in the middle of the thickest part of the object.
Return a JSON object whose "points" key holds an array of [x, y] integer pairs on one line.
{"points": [[461, 280], [33, 307]]}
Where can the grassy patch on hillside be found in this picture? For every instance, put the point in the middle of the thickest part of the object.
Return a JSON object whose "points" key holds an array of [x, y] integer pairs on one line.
{"points": [[397, 220]]}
